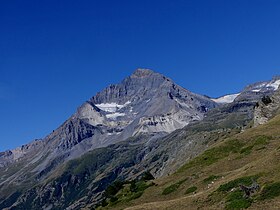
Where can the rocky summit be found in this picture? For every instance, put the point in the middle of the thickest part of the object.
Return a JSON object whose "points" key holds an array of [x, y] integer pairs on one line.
{"points": [[145, 126]]}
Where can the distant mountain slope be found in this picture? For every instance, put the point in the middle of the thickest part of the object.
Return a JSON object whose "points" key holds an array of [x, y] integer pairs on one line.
{"points": [[252, 92], [257, 90]]}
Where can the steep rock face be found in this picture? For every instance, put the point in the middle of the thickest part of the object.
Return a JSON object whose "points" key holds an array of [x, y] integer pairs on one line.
{"points": [[267, 108]]}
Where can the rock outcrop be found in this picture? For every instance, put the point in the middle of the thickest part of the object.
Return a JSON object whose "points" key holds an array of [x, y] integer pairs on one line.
{"points": [[267, 108]]}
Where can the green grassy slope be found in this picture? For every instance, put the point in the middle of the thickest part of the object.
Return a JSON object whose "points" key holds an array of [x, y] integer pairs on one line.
{"points": [[210, 181]]}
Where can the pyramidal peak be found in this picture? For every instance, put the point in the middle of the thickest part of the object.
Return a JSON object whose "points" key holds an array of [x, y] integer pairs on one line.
{"points": [[142, 72]]}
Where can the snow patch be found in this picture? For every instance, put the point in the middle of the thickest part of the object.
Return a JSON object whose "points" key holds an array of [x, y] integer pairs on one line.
{"points": [[274, 84], [114, 133], [260, 85], [111, 107], [226, 99], [115, 115], [256, 90]]}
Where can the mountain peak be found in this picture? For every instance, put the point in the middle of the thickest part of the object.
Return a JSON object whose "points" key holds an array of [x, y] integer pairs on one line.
{"points": [[142, 73]]}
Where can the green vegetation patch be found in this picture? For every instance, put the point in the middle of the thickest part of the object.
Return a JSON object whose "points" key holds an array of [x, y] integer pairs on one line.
{"points": [[136, 190], [191, 190], [247, 150], [270, 191], [234, 183], [259, 143], [114, 188], [126, 191], [236, 200], [211, 178], [138, 186], [214, 154], [262, 140], [232, 194], [173, 187]]}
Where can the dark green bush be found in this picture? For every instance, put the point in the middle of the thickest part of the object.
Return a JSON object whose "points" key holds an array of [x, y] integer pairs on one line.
{"points": [[114, 188], [135, 195], [113, 199], [191, 190], [172, 187], [234, 183], [236, 200], [270, 191]]}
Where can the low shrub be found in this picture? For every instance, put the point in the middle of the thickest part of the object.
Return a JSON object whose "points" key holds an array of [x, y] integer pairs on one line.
{"points": [[173, 187], [234, 183], [270, 191], [191, 190], [236, 200]]}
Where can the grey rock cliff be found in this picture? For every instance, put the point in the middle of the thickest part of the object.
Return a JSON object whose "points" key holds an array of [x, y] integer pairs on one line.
{"points": [[267, 108]]}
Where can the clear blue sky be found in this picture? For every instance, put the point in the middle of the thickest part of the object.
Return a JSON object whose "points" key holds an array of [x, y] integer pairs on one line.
{"points": [[56, 54]]}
